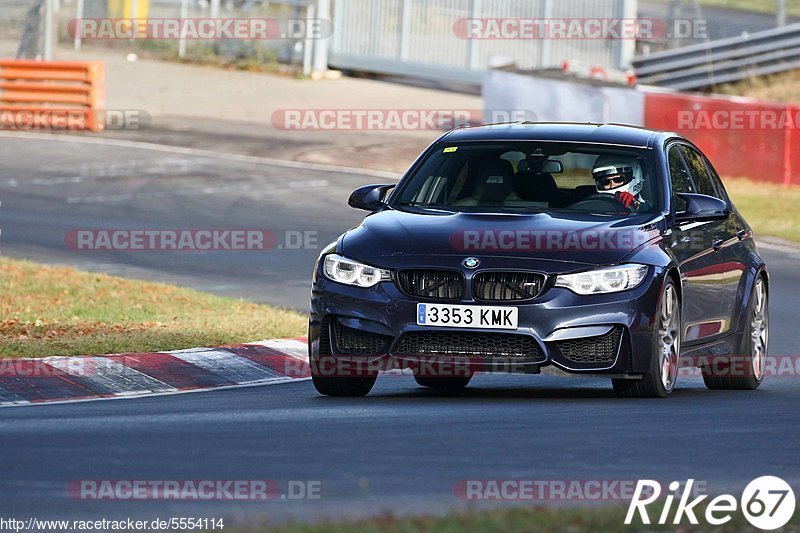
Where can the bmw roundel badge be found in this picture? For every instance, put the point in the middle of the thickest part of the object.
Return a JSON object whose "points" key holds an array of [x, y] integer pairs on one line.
{"points": [[471, 262]]}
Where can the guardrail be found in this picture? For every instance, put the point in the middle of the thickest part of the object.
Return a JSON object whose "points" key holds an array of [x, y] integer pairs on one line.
{"points": [[722, 61], [52, 94]]}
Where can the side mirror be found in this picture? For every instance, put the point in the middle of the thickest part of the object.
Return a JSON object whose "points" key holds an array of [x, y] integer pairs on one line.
{"points": [[369, 197], [702, 207]]}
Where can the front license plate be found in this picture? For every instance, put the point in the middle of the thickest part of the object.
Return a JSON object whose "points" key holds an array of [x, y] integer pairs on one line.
{"points": [[467, 316]]}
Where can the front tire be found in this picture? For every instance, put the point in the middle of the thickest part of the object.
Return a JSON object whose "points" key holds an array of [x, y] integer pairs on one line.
{"points": [[660, 379], [755, 342]]}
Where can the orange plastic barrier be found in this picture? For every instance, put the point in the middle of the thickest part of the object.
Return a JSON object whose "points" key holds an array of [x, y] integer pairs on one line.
{"points": [[741, 136], [51, 94]]}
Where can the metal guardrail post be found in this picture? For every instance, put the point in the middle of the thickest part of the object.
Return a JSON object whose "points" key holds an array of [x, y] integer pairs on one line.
{"points": [[782, 15]]}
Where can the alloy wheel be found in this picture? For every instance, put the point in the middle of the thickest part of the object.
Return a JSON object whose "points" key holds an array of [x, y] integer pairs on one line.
{"points": [[669, 338], [759, 329]]}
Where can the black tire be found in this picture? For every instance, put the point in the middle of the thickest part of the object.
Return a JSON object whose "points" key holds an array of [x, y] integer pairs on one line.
{"points": [[343, 387], [457, 382], [722, 376], [668, 325]]}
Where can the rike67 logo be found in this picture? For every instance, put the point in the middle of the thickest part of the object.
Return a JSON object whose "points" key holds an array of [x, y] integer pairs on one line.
{"points": [[767, 502]]}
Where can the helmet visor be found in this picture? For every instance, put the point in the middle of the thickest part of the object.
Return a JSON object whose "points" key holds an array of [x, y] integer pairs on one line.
{"points": [[609, 178]]}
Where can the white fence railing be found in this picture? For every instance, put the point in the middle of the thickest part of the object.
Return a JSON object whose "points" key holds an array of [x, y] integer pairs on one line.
{"points": [[417, 37]]}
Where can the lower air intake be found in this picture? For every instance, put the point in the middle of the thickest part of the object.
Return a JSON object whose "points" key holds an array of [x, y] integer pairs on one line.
{"points": [[463, 344], [592, 350]]}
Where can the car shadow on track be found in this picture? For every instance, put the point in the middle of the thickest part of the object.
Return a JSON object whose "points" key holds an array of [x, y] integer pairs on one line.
{"points": [[552, 389]]}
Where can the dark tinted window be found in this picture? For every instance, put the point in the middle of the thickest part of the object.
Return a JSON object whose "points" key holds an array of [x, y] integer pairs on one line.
{"points": [[680, 177], [723, 194], [701, 177]]}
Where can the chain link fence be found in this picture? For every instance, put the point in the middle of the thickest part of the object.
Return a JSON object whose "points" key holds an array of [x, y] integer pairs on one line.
{"points": [[248, 54], [21, 28], [405, 37]]}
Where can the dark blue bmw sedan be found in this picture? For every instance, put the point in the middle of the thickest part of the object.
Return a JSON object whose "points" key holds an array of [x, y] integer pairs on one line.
{"points": [[595, 249]]}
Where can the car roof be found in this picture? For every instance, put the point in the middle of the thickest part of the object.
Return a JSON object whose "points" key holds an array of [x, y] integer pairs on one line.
{"points": [[582, 132]]}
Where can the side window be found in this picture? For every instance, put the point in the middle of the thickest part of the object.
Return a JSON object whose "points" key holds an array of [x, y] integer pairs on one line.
{"points": [[723, 194], [680, 177], [700, 174]]}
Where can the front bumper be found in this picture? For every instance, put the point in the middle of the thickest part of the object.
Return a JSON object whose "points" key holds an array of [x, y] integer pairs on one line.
{"points": [[606, 334]]}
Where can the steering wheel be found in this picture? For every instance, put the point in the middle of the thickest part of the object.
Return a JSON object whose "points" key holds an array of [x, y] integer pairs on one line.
{"points": [[600, 202]]}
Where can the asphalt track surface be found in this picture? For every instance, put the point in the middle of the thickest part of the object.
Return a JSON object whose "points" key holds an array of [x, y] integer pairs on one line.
{"points": [[402, 448]]}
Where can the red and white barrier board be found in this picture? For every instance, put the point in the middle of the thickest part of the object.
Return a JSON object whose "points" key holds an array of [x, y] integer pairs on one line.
{"points": [[742, 137]]}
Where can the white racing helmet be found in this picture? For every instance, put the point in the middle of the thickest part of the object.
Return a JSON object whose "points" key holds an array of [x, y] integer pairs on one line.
{"points": [[620, 168]]}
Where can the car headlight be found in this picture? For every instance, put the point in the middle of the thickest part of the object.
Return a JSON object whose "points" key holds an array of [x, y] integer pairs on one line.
{"points": [[349, 272], [604, 280]]}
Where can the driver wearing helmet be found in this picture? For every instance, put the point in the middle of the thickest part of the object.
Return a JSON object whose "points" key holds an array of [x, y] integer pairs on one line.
{"points": [[622, 177]]}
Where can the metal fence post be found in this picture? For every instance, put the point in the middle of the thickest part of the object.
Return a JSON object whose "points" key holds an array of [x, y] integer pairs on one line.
{"points": [[405, 15], [321, 44], [473, 61], [625, 48], [49, 28], [545, 45], [308, 42], [78, 25], [182, 40]]}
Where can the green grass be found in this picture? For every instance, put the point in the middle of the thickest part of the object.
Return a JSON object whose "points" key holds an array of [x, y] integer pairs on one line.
{"points": [[607, 518], [770, 209], [61, 311]]}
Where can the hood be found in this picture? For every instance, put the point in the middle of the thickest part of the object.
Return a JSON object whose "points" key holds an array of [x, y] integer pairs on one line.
{"points": [[396, 238]]}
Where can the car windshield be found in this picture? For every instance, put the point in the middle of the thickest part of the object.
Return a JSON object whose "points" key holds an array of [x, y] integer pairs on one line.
{"points": [[512, 177]]}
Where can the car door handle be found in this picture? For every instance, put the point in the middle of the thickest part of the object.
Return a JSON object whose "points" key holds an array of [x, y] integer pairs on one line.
{"points": [[716, 244], [741, 234]]}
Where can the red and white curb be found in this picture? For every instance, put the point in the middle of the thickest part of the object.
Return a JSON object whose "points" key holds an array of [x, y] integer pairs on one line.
{"points": [[133, 375]]}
